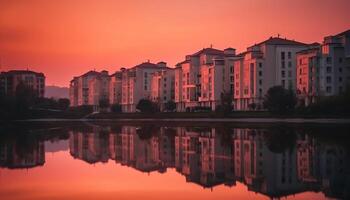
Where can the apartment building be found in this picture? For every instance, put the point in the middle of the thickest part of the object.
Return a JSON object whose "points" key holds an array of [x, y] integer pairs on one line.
{"points": [[115, 88], [202, 77], [99, 89], [264, 65], [11, 79], [136, 84], [79, 88], [163, 86], [324, 69]]}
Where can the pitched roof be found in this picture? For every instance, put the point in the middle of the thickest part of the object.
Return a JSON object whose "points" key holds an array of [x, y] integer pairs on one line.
{"points": [[209, 51], [23, 72], [91, 73], [347, 32], [146, 65], [279, 41]]}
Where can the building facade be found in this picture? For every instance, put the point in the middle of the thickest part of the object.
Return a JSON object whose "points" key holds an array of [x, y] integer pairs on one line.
{"points": [[163, 87], [324, 69], [11, 79], [136, 84], [202, 77], [115, 88], [79, 89], [264, 65]]}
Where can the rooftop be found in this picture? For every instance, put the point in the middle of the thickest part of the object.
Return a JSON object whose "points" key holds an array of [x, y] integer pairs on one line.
{"points": [[280, 41], [211, 51], [18, 72]]}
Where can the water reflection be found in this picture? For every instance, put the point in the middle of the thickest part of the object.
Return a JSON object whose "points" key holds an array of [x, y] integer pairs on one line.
{"points": [[275, 161]]}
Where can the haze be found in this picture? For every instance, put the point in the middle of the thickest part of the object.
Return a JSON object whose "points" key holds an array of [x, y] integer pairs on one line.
{"points": [[64, 38]]}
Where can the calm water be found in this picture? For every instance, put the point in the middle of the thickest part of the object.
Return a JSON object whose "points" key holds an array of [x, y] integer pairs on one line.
{"points": [[147, 161]]}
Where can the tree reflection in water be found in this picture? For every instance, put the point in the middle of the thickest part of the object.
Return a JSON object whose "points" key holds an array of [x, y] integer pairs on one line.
{"points": [[275, 161]]}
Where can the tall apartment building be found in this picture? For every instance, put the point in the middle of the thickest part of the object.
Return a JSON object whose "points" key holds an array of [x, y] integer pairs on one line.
{"points": [[202, 77], [264, 65], [115, 88], [79, 88], [163, 87], [11, 79], [324, 69], [99, 88], [136, 84]]}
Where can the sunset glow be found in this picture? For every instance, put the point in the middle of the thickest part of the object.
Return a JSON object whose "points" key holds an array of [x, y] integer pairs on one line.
{"points": [[66, 38]]}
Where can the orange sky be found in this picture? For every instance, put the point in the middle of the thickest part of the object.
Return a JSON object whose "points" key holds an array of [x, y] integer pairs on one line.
{"points": [[63, 38]]}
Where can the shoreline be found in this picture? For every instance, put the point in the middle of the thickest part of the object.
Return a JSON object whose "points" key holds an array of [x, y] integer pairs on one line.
{"points": [[236, 120]]}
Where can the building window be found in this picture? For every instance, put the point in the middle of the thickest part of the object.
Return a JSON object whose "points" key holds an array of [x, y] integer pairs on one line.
{"points": [[340, 69], [289, 64], [329, 69], [260, 82], [145, 87], [289, 55], [283, 64], [340, 60], [329, 60], [260, 65], [282, 55], [340, 79], [329, 89], [260, 73], [231, 69], [329, 79], [289, 74], [283, 73]]}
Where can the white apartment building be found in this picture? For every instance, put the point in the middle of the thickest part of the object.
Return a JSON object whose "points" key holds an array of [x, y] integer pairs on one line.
{"points": [[136, 84], [163, 86], [115, 88], [99, 89], [324, 70], [79, 88], [202, 77], [264, 65]]}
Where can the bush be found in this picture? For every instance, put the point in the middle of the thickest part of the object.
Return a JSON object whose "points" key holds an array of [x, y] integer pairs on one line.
{"points": [[116, 108], [170, 106], [226, 105], [279, 100], [85, 109], [103, 103], [146, 106]]}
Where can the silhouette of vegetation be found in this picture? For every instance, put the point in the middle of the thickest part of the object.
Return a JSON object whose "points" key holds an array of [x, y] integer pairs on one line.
{"points": [[170, 106], [146, 106], [279, 100], [146, 132], [103, 103], [225, 108], [280, 139], [116, 108], [331, 105]]}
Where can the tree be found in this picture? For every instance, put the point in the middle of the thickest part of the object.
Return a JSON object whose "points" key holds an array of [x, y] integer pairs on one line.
{"points": [[170, 106], [116, 108], [225, 107], [103, 103], [63, 103], [279, 100], [146, 106]]}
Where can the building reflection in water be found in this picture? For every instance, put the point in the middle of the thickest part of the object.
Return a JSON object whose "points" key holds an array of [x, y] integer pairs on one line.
{"points": [[21, 153], [269, 162], [274, 162]]}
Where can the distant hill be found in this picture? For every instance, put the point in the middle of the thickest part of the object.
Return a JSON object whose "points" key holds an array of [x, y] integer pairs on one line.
{"points": [[56, 92]]}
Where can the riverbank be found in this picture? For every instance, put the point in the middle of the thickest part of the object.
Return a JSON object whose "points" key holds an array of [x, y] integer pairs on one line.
{"points": [[238, 116]]}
